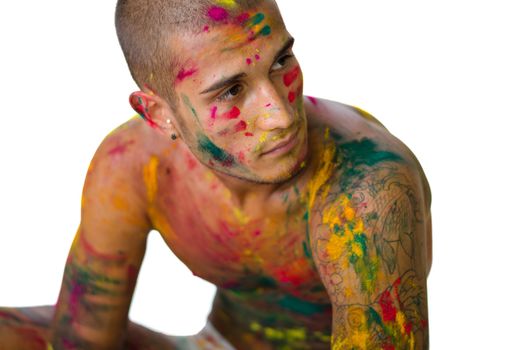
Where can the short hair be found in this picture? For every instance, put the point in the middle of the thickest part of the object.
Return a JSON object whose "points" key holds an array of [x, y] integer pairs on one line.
{"points": [[145, 28]]}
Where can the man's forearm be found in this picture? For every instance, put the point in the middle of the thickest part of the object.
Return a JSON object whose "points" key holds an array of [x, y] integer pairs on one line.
{"points": [[92, 310]]}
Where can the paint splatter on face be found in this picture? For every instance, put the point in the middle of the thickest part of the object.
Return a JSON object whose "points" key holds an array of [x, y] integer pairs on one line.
{"points": [[216, 153], [184, 73], [217, 13], [290, 77]]}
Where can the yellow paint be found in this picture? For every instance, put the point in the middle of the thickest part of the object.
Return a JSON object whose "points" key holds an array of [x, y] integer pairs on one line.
{"points": [[336, 246], [150, 178], [49, 346], [262, 139], [227, 3], [323, 173], [240, 216]]}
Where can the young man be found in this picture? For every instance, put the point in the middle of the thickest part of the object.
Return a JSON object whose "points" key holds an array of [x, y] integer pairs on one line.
{"points": [[311, 219]]}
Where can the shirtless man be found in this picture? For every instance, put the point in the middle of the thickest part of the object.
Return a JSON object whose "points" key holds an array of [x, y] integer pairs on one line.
{"points": [[311, 218]]}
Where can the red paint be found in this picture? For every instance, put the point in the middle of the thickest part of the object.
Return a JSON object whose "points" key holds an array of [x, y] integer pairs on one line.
{"points": [[206, 28], [120, 149], [132, 273], [268, 105], [257, 233], [408, 328], [248, 61], [232, 114], [424, 324], [32, 336], [291, 96], [191, 161], [143, 111], [388, 311], [248, 134], [291, 76], [312, 100], [217, 13], [257, 57], [388, 347], [8, 316], [94, 253], [183, 74], [242, 18], [241, 126], [241, 157]]}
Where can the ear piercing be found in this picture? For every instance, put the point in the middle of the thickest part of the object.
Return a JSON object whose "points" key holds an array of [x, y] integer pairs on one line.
{"points": [[173, 136]]}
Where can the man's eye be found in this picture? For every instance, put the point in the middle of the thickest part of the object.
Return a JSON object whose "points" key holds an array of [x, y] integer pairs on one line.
{"points": [[281, 62], [230, 93]]}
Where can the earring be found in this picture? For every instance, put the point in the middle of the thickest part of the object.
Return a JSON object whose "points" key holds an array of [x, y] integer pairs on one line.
{"points": [[173, 136]]}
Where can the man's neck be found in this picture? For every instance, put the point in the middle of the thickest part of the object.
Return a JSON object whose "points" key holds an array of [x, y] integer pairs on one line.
{"points": [[248, 195]]}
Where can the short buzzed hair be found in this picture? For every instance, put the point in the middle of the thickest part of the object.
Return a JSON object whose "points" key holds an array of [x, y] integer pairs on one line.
{"points": [[146, 27]]}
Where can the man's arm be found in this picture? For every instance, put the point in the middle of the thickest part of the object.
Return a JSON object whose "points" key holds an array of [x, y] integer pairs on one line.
{"points": [[105, 257], [369, 246]]}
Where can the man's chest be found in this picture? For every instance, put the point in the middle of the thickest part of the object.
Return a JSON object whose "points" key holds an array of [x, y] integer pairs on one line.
{"points": [[228, 247]]}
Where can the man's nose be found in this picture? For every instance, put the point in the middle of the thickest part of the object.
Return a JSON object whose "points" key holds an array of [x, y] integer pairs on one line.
{"points": [[276, 113]]}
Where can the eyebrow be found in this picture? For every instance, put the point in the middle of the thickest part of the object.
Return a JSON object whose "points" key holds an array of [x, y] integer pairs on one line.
{"points": [[231, 79]]}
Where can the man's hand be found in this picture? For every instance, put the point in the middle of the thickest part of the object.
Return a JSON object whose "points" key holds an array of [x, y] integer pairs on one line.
{"points": [[105, 257], [369, 245]]}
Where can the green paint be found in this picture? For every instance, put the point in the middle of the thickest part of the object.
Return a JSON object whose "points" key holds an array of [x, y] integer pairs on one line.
{"points": [[355, 158], [307, 308], [265, 31], [207, 146], [259, 17], [373, 316], [189, 105]]}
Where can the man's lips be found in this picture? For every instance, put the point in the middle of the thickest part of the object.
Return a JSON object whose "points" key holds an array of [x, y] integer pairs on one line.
{"points": [[285, 144]]}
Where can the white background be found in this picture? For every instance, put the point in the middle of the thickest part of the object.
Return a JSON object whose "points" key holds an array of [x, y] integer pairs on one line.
{"points": [[449, 78]]}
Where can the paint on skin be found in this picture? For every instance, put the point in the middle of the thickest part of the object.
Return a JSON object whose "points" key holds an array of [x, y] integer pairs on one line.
{"points": [[248, 134], [206, 146], [189, 105], [212, 116], [184, 74], [290, 77], [121, 148], [143, 112], [257, 57], [349, 241], [206, 29], [217, 13], [242, 19], [227, 3], [248, 61], [231, 114], [291, 96], [313, 100], [240, 126]]}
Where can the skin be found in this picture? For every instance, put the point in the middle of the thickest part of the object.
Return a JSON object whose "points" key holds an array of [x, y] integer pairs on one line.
{"points": [[326, 245]]}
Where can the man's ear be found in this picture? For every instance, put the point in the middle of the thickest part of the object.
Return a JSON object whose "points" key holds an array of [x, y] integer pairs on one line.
{"points": [[155, 111]]}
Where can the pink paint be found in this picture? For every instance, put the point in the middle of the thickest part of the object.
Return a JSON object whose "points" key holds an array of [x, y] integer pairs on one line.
{"points": [[217, 13], [291, 76], [242, 18], [183, 74], [191, 161], [232, 114], [257, 57], [120, 149], [248, 134], [312, 100], [291, 96], [213, 112], [206, 28], [257, 233], [268, 105], [248, 61], [90, 250], [241, 126]]}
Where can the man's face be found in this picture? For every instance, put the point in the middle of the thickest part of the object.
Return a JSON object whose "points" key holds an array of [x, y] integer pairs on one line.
{"points": [[239, 96]]}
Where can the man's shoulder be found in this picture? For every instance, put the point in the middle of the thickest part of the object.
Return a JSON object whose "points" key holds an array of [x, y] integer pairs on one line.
{"points": [[365, 149]]}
